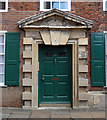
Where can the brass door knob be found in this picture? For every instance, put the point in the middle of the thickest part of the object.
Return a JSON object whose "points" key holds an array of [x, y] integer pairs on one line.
{"points": [[42, 79]]}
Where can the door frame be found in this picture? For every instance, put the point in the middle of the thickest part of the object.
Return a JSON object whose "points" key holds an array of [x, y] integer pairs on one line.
{"points": [[39, 75], [35, 69]]}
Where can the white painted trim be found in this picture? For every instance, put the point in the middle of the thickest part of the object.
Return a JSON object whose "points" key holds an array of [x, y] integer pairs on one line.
{"points": [[3, 33], [104, 8], [42, 1], [105, 31], [6, 10], [1, 84]]}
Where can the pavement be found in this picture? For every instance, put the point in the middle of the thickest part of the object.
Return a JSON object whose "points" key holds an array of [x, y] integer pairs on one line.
{"points": [[52, 114]]}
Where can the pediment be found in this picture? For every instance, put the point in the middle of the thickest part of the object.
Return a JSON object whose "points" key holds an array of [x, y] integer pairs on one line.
{"points": [[56, 18]]}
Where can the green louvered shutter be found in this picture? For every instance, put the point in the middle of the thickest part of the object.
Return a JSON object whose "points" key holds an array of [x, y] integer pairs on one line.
{"points": [[12, 59], [97, 59]]}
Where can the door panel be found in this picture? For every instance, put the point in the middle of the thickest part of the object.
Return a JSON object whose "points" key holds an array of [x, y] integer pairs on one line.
{"points": [[48, 89], [55, 74], [48, 67]]}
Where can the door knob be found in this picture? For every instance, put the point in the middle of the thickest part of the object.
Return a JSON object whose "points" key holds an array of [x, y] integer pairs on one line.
{"points": [[42, 79]]}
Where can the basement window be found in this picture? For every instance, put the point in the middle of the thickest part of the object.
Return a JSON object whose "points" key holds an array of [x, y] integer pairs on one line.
{"points": [[104, 5], [64, 5], [3, 5]]}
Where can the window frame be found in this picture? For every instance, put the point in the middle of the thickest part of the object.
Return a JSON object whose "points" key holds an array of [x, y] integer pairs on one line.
{"points": [[3, 33], [104, 7], [6, 9], [42, 5]]}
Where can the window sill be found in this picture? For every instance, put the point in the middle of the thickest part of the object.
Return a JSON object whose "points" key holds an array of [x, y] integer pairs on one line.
{"points": [[3, 10], [58, 9]]}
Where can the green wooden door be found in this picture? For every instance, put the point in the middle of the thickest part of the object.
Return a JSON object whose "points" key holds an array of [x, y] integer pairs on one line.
{"points": [[97, 59], [55, 74]]}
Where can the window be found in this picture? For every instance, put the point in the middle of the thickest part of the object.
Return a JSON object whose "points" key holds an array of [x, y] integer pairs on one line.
{"points": [[64, 5], [3, 5], [2, 56], [104, 5]]}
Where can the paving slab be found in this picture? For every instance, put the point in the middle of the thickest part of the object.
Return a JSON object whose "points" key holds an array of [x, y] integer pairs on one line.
{"points": [[4, 119], [99, 118], [21, 113], [21, 110], [5, 115], [80, 115], [18, 116], [40, 114], [17, 119], [61, 119], [98, 114], [60, 114], [53, 114], [81, 118], [6, 111]]}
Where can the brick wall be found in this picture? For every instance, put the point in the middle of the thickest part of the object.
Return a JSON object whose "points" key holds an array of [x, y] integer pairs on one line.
{"points": [[13, 97], [21, 10]]}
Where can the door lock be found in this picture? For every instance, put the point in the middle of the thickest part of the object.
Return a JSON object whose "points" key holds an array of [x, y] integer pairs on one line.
{"points": [[42, 79]]}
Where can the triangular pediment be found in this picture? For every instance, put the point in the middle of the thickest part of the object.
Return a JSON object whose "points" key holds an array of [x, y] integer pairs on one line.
{"points": [[56, 18]]}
